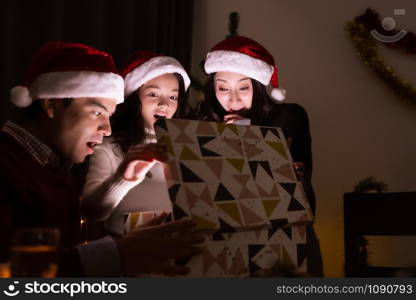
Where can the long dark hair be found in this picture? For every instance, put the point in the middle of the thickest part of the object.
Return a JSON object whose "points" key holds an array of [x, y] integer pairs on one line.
{"points": [[261, 107], [127, 122]]}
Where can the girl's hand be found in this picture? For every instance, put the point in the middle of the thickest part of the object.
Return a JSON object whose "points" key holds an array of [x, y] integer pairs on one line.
{"points": [[298, 168], [140, 159]]}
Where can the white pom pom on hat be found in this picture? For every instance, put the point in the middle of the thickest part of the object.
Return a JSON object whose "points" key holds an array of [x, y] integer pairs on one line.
{"points": [[245, 56], [20, 96], [278, 94], [69, 70]]}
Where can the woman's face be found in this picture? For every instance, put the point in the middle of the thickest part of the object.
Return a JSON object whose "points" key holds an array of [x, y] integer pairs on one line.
{"points": [[233, 91], [159, 98]]}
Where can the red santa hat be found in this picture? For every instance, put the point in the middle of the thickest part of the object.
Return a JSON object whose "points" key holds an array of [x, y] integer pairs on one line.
{"points": [[242, 55], [69, 70], [146, 65]]}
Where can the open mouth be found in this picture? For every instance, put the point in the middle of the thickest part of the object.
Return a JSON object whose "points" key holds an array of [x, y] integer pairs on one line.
{"points": [[157, 117], [91, 145]]}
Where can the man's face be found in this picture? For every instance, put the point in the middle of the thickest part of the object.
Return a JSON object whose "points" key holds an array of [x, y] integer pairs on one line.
{"points": [[80, 126]]}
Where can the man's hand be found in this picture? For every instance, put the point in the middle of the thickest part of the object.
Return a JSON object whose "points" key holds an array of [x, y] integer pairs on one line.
{"points": [[152, 248], [140, 159]]}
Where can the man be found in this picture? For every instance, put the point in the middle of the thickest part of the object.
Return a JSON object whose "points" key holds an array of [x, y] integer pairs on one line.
{"points": [[68, 93]]}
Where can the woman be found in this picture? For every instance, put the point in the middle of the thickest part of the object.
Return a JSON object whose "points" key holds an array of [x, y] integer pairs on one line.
{"points": [[124, 173], [240, 70]]}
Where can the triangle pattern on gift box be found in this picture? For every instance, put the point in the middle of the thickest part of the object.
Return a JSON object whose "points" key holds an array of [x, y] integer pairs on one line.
{"points": [[262, 193], [183, 138], [251, 149], [279, 148], [266, 167], [231, 209], [288, 231], [206, 197], [234, 144], [246, 194], [203, 224], [253, 249], [253, 267], [286, 171], [223, 194], [222, 259], [270, 205], [276, 225], [225, 227], [134, 217], [221, 127], [277, 248], [287, 262], [264, 164], [188, 175], [209, 259], [249, 134], [265, 130], [171, 171], [258, 233], [238, 266], [241, 179], [250, 217], [168, 142], [289, 187], [202, 141], [217, 236], [187, 154], [178, 212], [238, 164], [173, 191], [204, 128], [180, 124], [215, 165], [302, 254], [295, 205], [191, 196]]}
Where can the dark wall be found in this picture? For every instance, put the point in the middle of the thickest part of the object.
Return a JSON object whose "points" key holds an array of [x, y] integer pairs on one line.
{"points": [[117, 26]]}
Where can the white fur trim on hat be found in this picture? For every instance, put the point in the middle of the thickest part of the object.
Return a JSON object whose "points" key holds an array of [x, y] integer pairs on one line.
{"points": [[232, 61], [71, 84], [151, 69]]}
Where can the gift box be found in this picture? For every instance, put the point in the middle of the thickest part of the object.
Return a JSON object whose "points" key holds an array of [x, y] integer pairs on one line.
{"points": [[231, 177], [239, 184], [254, 253]]}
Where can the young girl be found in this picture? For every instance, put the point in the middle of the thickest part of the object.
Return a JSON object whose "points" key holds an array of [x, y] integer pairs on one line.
{"points": [[240, 70], [124, 173]]}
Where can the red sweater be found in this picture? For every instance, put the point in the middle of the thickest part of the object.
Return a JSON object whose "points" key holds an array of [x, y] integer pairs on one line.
{"points": [[32, 195]]}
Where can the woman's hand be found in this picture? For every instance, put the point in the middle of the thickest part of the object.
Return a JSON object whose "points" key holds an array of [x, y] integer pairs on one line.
{"points": [[140, 159], [236, 119]]}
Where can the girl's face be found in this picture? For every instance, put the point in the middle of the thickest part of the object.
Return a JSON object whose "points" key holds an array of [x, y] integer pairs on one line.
{"points": [[159, 98], [233, 91]]}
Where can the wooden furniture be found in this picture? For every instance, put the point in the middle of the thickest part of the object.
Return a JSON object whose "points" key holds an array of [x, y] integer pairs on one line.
{"points": [[380, 214]]}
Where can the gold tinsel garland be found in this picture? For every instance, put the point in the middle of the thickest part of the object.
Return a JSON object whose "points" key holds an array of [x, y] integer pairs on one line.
{"points": [[367, 50]]}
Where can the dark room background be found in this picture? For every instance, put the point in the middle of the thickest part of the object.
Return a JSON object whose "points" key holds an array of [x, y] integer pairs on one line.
{"points": [[117, 26]]}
